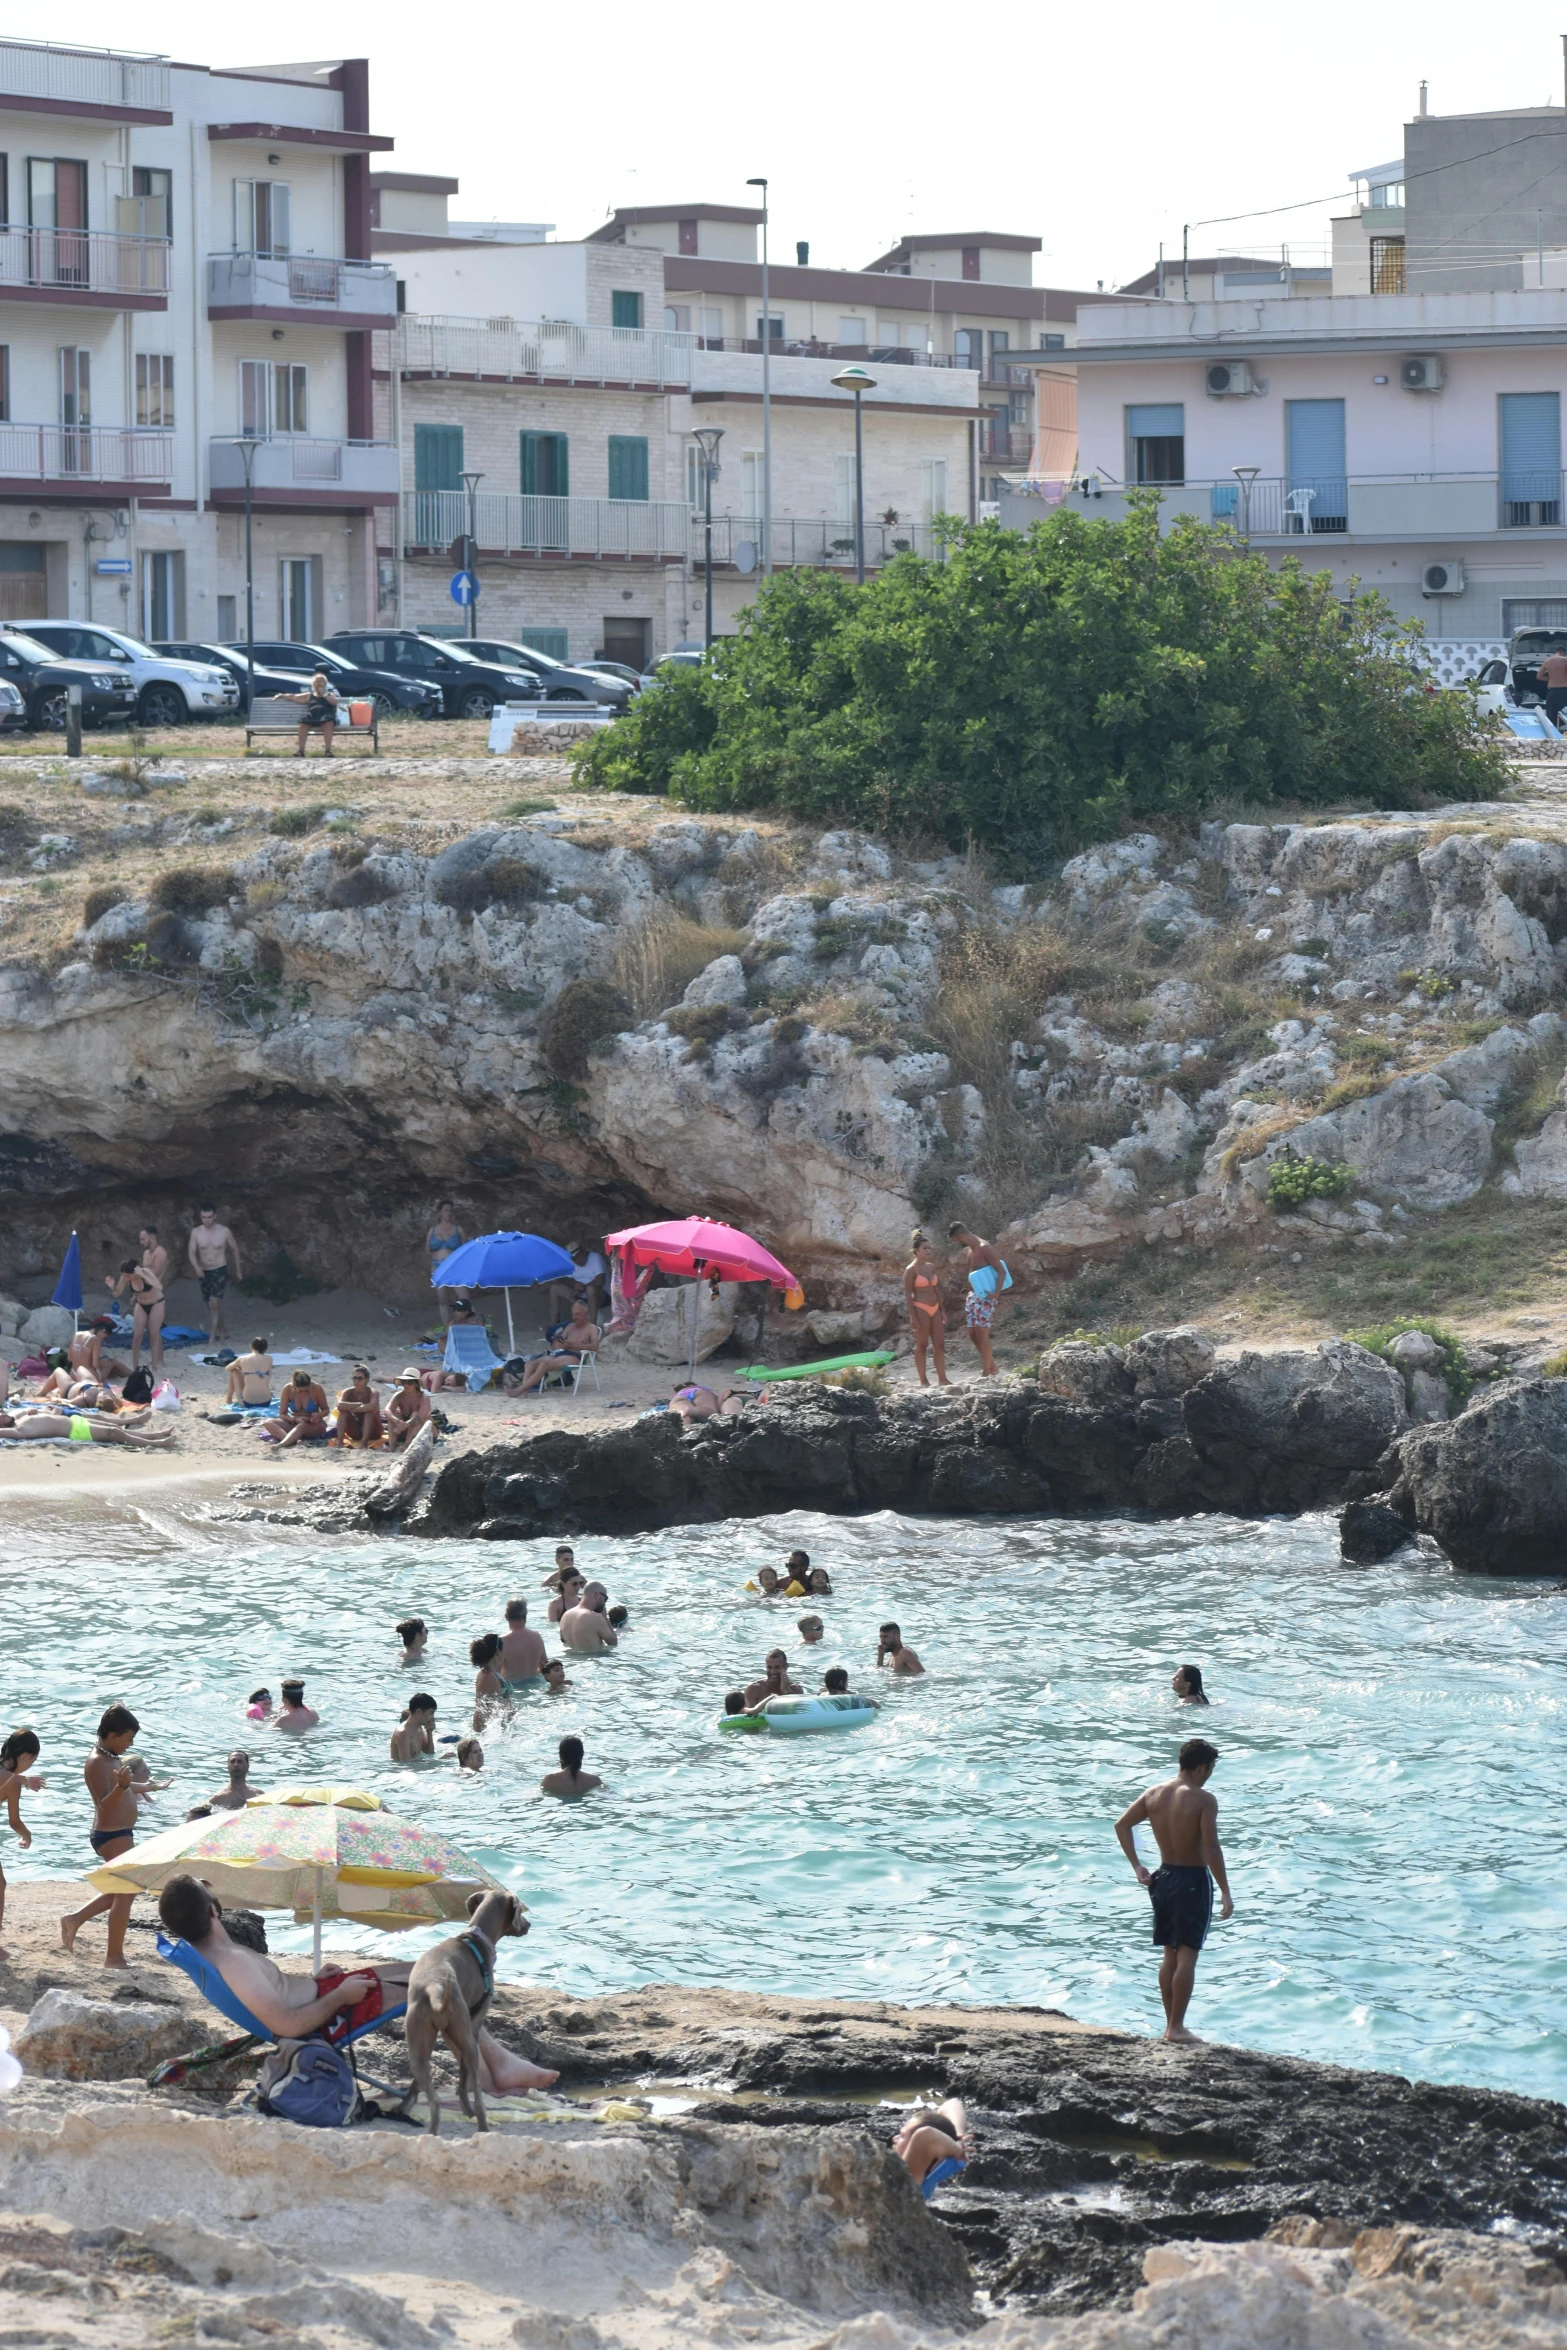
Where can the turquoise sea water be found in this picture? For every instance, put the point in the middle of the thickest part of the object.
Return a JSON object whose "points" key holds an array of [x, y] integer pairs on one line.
{"points": [[1390, 1746]]}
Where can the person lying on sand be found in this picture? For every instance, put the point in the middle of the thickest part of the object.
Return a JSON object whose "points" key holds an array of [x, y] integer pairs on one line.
{"points": [[934, 2144], [38, 1427], [293, 2006], [415, 1732], [239, 1790], [571, 1779], [696, 1402]]}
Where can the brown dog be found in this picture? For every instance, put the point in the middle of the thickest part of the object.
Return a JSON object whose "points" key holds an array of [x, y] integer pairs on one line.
{"points": [[449, 1993]]}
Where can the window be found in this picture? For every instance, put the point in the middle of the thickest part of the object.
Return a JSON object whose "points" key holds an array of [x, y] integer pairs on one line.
{"points": [[228, 619], [1156, 443], [1052, 342], [155, 388], [57, 208], [162, 597], [687, 230], [968, 346], [1317, 498], [289, 411], [545, 470], [1000, 345], [751, 484], [1392, 193], [299, 595], [933, 487], [75, 387], [148, 211], [261, 216], [1387, 265], [437, 456], [627, 466], [677, 318], [1530, 427], [770, 328], [971, 261], [625, 309], [852, 332]]}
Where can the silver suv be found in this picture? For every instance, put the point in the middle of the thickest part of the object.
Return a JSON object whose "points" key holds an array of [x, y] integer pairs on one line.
{"points": [[167, 692]]}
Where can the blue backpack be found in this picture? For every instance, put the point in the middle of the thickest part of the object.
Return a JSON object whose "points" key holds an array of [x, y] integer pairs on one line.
{"points": [[315, 2087]]}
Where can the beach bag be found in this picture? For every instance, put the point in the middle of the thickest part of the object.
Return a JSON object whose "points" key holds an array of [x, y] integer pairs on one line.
{"points": [[138, 1387], [166, 1397], [312, 2083]]}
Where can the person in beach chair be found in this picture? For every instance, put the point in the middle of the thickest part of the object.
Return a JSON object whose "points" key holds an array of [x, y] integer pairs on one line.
{"points": [[254, 1992]]}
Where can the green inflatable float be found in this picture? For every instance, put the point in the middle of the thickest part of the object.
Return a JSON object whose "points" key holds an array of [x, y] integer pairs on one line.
{"points": [[871, 1362]]}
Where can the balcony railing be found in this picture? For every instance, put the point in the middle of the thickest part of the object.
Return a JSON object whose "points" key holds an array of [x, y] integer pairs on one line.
{"points": [[809, 543], [509, 350], [79, 260], [1006, 444], [868, 354], [607, 527], [84, 452], [90, 77], [301, 461], [1364, 506], [301, 281]]}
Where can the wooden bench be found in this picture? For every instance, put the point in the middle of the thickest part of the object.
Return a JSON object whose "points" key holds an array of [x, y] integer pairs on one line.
{"points": [[277, 714]]}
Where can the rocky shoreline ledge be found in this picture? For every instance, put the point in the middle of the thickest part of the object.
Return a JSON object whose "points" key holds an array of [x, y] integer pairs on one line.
{"points": [[1159, 1428]]}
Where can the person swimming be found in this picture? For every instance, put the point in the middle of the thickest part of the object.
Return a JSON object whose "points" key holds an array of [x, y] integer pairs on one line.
{"points": [[258, 1706], [835, 1683], [414, 1635], [1188, 1687], [470, 1755], [415, 1733], [555, 1674]]}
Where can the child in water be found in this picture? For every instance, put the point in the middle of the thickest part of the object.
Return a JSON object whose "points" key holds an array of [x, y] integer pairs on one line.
{"points": [[20, 1751], [258, 1706]]}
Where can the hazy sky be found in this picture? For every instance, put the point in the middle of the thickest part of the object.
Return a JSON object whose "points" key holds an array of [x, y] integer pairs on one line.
{"points": [[1099, 132]]}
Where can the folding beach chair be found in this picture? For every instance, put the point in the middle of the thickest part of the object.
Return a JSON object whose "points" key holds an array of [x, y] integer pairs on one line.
{"points": [[217, 1994], [468, 1350]]}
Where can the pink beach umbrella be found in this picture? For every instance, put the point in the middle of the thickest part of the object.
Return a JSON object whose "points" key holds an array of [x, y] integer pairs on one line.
{"points": [[698, 1246]]}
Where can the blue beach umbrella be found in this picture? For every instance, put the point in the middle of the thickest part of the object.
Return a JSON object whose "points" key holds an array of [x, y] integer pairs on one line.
{"points": [[68, 1289], [502, 1260]]}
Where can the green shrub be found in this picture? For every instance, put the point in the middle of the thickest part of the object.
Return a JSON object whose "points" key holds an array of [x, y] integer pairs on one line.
{"points": [[1293, 1180], [294, 823], [193, 889], [584, 1011], [1033, 689], [1379, 1341]]}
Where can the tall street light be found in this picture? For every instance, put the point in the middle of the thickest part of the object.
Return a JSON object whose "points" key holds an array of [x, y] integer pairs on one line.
{"points": [[247, 445], [767, 398], [855, 380], [1246, 475], [707, 438], [470, 482]]}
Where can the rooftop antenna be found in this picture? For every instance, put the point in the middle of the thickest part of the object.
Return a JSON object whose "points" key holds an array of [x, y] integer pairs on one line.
{"points": [[1564, 68], [1422, 101]]}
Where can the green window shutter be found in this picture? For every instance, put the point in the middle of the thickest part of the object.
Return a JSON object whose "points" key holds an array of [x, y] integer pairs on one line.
{"points": [[528, 446], [437, 456], [625, 309], [545, 473], [627, 466], [562, 467]]}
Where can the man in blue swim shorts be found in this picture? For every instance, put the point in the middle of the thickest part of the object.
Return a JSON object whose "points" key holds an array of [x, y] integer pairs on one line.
{"points": [[1185, 1820]]}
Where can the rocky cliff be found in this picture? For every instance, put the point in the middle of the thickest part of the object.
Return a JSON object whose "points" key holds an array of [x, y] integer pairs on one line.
{"points": [[566, 1018]]}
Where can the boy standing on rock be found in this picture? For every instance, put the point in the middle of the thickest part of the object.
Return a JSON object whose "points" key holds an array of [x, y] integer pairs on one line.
{"points": [[1185, 1820]]}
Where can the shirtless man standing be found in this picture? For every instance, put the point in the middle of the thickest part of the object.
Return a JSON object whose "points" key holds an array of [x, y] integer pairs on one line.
{"points": [[214, 1252], [292, 2006], [586, 1627], [522, 1651], [1185, 1820], [984, 1294], [111, 1783]]}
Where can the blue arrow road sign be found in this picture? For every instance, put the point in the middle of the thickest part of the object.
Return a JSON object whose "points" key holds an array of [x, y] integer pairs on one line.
{"points": [[113, 567], [465, 588]]}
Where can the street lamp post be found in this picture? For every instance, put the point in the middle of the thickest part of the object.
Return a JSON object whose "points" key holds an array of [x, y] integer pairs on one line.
{"points": [[767, 398], [470, 482], [707, 438], [1246, 475], [855, 380], [247, 444]]}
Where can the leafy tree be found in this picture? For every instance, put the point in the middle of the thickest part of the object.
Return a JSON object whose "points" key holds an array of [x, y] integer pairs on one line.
{"points": [[1032, 690]]}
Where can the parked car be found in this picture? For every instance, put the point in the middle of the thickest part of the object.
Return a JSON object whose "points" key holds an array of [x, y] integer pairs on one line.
{"points": [[681, 658], [42, 679], [269, 680], [389, 692], [1526, 649], [468, 688], [561, 682], [13, 710], [626, 675], [167, 692]]}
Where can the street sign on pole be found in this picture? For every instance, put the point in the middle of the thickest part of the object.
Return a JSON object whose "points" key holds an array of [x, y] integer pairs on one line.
{"points": [[465, 588]]}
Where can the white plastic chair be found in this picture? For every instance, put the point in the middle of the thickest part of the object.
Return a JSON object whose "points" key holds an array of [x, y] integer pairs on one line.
{"points": [[1298, 503]]}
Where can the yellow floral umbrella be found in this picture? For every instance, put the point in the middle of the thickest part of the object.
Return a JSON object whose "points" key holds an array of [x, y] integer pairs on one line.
{"points": [[318, 1851]]}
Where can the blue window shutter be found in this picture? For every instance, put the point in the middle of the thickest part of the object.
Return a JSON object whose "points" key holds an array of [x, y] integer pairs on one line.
{"points": [[1166, 422], [625, 309], [627, 466], [1314, 440], [437, 456], [1531, 430]]}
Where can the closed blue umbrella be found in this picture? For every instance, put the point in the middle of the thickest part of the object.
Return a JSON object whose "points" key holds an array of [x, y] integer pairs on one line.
{"points": [[502, 1260], [68, 1289]]}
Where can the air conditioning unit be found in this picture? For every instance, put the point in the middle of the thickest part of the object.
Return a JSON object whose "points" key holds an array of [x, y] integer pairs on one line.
{"points": [[1422, 372], [1442, 579], [1230, 380]]}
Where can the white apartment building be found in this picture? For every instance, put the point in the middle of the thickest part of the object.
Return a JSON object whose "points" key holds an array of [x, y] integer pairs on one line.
{"points": [[186, 287], [1405, 427], [563, 377]]}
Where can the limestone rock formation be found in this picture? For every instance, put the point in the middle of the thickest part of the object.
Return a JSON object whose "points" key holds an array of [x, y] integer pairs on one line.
{"points": [[1491, 1486], [70, 2037]]}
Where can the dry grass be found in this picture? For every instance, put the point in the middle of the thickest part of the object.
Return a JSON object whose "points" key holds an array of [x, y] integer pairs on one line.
{"points": [[657, 961]]}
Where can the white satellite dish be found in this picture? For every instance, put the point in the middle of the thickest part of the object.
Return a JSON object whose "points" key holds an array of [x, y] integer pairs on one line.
{"points": [[745, 555]]}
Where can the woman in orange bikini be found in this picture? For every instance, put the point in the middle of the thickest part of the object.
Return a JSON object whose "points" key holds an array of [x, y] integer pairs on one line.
{"points": [[922, 1294]]}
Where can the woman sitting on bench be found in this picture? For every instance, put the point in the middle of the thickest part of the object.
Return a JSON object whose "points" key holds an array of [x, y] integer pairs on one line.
{"points": [[321, 705]]}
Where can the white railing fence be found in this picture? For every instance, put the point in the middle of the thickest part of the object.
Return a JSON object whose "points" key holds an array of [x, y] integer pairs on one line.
{"points": [[66, 452], [95, 77], [549, 351]]}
